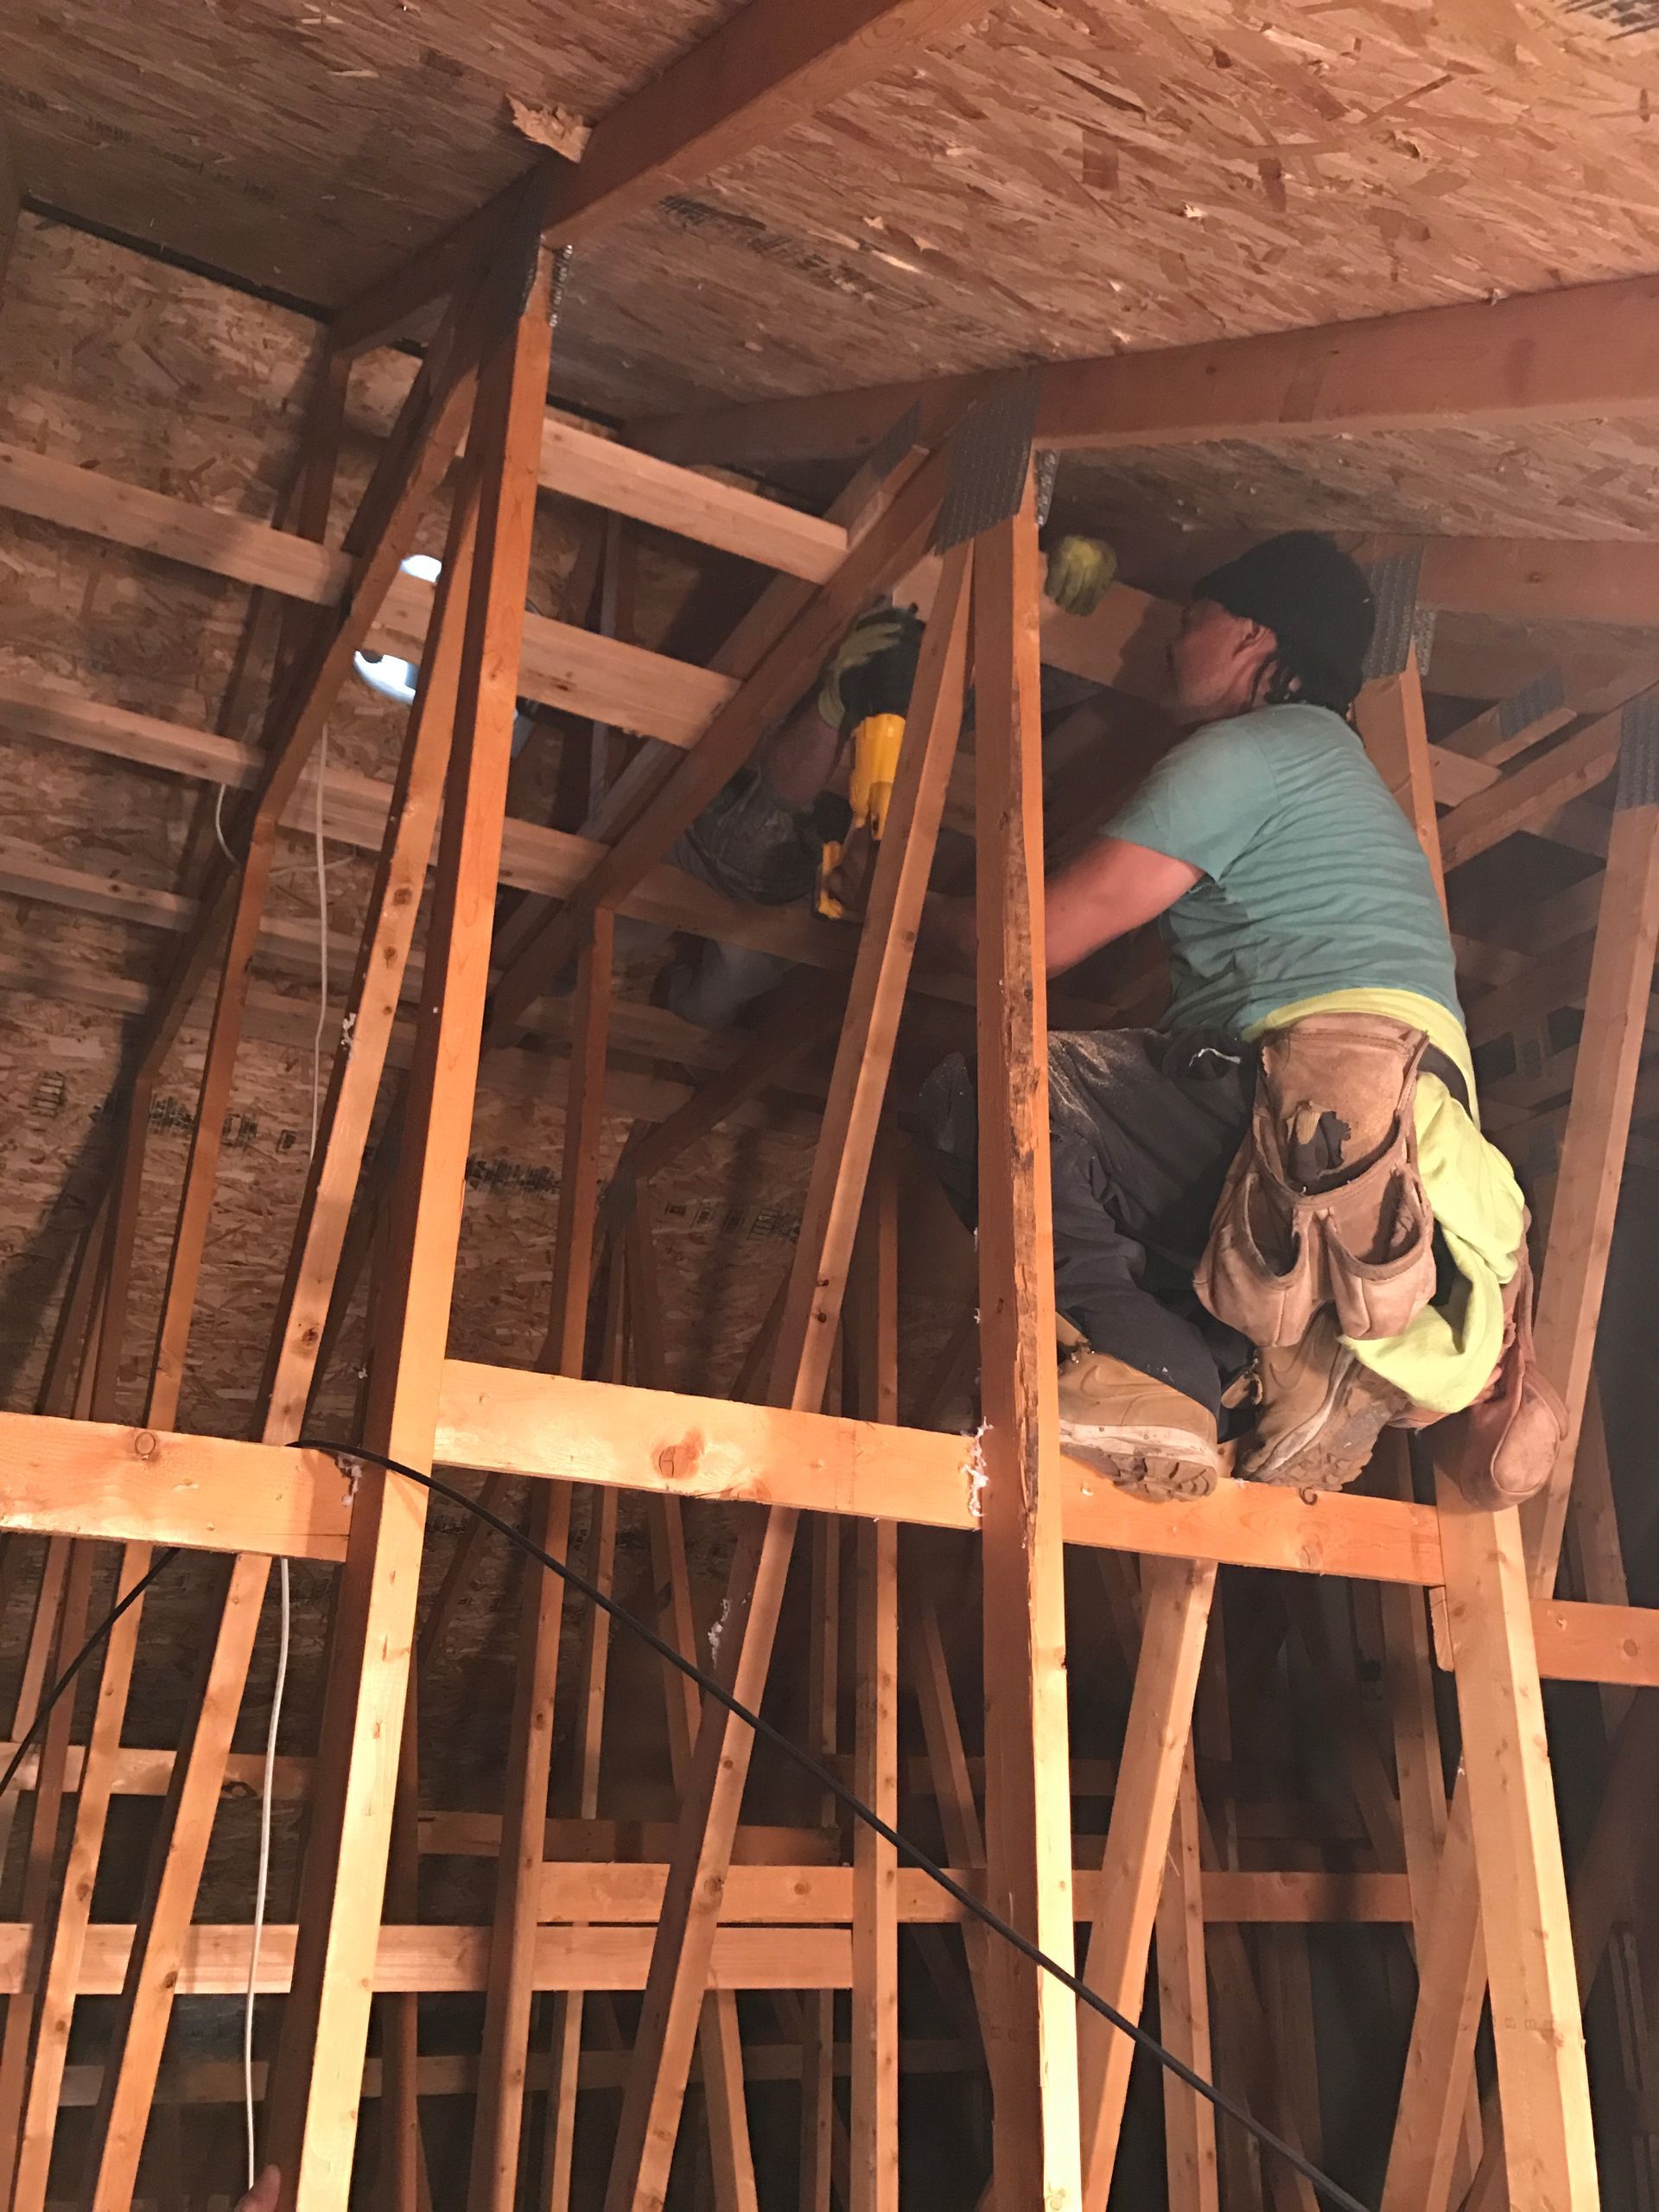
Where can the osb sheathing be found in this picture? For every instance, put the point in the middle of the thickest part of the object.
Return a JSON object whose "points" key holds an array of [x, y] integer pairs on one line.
{"points": [[1059, 177], [168, 381]]}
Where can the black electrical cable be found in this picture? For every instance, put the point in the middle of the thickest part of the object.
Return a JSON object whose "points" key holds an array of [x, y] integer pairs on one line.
{"points": [[1332, 2191], [42, 1712]]}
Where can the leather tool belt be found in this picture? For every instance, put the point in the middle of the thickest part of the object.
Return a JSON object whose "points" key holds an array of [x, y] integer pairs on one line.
{"points": [[1324, 1204]]}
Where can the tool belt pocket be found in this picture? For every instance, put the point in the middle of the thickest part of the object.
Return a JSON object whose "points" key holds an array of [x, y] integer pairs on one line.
{"points": [[1324, 1204]]}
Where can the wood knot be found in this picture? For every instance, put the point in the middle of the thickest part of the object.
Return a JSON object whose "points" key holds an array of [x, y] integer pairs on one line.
{"points": [[679, 1462]]}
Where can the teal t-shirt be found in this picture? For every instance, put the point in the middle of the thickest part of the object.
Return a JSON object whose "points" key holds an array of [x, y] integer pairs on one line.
{"points": [[1312, 878]]}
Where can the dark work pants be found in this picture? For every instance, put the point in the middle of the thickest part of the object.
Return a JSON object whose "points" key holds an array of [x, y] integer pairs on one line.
{"points": [[1142, 1129]]}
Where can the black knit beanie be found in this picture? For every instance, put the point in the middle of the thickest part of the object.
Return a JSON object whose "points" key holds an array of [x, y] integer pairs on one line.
{"points": [[1316, 601]]}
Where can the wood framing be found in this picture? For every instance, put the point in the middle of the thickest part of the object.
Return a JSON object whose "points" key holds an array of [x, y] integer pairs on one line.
{"points": [[1580, 352], [326, 2020], [1031, 2034], [766, 67], [1211, 1865], [800, 1369]]}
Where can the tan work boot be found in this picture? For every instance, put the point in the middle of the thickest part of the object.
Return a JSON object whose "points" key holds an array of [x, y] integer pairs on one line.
{"points": [[1150, 1439], [1321, 1412]]}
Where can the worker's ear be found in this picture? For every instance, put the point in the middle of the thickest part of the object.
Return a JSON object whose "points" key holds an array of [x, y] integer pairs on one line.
{"points": [[262, 2197]]}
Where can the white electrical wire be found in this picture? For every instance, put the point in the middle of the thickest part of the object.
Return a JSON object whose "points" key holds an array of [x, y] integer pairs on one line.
{"points": [[284, 1594], [218, 827]]}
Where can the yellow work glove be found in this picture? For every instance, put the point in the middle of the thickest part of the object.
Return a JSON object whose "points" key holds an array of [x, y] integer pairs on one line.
{"points": [[873, 634], [1081, 571]]}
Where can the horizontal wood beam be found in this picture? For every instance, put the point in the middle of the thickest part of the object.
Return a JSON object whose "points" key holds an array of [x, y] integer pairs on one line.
{"points": [[580, 465], [533, 858], [97, 1479], [208, 2081], [648, 1030], [576, 464], [273, 1018], [582, 671], [429, 1959], [784, 1896], [1526, 797], [511, 1421], [141, 1485], [1579, 353], [1596, 1644], [1615, 581]]}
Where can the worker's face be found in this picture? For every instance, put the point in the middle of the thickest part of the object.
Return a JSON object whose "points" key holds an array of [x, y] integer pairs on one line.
{"points": [[1215, 661]]}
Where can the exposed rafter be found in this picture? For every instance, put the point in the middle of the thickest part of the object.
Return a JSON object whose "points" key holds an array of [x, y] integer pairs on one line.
{"points": [[1586, 351], [766, 67]]}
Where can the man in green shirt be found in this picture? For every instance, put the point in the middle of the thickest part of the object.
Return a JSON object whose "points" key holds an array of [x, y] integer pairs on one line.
{"points": [[1286, 882]]}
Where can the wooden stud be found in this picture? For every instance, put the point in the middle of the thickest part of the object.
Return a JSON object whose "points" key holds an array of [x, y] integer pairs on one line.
{"points": [[1389, 715], [680, 1961], [1032, 2036], [567, 2038], [824, 1738], [1177, 1600], [313, 2098], [60, 1975], [1440, 2060], [1548, 2138], [505, 2056], [1592, 1152], [875, 2109], [15, 2077], [719, 2044], [1525, 798], [948, 1769], [187, 1819], [1184, 2009]]}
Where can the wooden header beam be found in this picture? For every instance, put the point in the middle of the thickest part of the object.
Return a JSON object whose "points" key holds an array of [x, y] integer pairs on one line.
{"points": [[1583, 351], [513, 1421]]}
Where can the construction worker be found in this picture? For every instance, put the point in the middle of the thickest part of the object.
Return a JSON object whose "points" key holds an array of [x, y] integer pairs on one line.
{"points": [[1280, 1198]]}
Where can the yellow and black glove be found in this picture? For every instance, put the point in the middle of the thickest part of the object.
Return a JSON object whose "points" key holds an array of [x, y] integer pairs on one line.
{"points": [[865, 693], [1081, 571], [877, 655]]}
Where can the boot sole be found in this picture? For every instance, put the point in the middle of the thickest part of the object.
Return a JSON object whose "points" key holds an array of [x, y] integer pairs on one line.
{"points": [[1334, 1453], [1164, 1466]]}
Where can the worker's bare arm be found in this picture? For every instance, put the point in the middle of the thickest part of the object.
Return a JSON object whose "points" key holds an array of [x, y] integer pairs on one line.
{"points": [[1110, 888], [800, 757], [1105, 892]]}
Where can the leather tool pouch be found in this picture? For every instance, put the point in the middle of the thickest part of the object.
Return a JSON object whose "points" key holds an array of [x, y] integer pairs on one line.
{"points": [[1324, 1204]]}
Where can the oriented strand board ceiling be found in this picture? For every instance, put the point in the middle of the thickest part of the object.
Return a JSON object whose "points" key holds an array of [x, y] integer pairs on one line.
{"points": [[1540, 480], [1067, 176]]}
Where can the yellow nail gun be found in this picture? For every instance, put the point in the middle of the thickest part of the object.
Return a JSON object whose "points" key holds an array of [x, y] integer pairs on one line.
{"points": [[876, 744]]}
